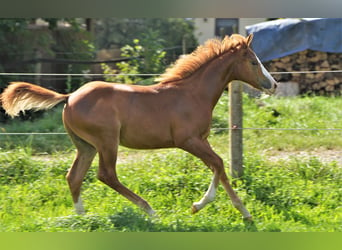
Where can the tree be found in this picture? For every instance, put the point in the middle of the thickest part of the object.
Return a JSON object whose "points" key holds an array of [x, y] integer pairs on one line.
{"points": [[118, 32], [22, 46], [17, 43], [146, 57], [150, 44]]}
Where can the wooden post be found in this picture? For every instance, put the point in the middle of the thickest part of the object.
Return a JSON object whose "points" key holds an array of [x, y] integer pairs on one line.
{"points": [[38, 67], [184, 48], [235, 135]]}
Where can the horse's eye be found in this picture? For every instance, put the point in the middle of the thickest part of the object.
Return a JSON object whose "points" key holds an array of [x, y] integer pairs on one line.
{"points": [[255, 63]]}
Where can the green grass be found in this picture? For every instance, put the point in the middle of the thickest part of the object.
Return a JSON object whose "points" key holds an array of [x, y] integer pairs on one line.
{"points": [[50, 122], [298, 194]]}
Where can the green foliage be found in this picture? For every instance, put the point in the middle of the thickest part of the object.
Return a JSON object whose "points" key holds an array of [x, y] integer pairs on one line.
{"points": [[278, 194], [73, 44], [122, 31], [17, 44], [145, 57], [162, 40], [49, 122], [77, 223], [129, 69], [20, 43], [286, 184], [13, 168], [300, 112]]}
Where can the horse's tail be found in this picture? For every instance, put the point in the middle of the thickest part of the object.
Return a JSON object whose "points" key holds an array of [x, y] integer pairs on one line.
{"points": [[21, 96]]}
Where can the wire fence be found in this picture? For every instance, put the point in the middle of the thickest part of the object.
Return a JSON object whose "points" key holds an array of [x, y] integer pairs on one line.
{"points": [[213, 129], [90, 74], [97, 76]]}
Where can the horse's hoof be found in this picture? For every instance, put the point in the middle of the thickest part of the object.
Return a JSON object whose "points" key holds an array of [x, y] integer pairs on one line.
{"points": [[194, 209], [80, 211], [151, 212], [248, 218]]}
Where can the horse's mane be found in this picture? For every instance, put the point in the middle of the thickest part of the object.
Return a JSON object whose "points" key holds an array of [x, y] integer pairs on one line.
{"points": [[188, 64]]}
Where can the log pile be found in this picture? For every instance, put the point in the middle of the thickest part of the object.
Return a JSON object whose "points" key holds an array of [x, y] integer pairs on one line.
{"points": [[308, 60]]}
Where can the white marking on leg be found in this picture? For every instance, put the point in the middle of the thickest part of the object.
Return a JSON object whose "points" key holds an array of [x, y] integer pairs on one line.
{"points": [[209, 196], [151, 212], [79, 206]]}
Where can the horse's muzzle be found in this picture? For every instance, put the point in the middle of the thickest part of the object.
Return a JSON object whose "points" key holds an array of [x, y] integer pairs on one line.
{"points": [[271, 91]]}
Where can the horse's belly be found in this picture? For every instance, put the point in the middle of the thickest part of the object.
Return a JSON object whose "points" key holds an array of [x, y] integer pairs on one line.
{"points": [[143, 139], [137, 144]]}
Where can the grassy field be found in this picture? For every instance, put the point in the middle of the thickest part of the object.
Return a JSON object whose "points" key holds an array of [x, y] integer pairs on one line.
{"points": [[284, 194]]}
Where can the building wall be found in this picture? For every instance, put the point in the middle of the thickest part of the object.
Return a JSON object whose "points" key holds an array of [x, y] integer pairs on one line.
{"points": [[205, 27]]}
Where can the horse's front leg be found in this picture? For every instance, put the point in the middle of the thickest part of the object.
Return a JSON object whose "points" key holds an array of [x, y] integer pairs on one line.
{"points": [[202, 149]]}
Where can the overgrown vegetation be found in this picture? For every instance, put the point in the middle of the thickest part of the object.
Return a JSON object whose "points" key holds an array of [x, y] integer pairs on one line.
{"points": [[292, 194], [22, 45], [17, 44], [145, 57], [119, 32]]}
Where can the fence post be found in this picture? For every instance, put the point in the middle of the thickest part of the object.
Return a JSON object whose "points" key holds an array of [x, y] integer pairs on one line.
{"points": [[38, 67], [235, 133]]}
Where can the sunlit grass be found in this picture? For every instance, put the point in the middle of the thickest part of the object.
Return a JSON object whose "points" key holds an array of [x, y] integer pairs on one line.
{"points": [[294, 195]]}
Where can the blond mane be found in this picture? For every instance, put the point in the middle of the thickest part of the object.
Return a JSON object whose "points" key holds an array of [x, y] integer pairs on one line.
{"points": [[188, 64]]}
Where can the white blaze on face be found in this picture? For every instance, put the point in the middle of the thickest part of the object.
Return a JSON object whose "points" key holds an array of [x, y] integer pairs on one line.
{"points": [[266, 73], [273, 84]]}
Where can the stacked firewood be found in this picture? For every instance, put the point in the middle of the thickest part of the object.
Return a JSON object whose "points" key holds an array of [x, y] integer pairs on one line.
{"points": [[310, 83]]}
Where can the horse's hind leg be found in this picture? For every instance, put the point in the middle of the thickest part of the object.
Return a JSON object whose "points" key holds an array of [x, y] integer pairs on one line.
{"points": [[107, 174], [84, 157]]}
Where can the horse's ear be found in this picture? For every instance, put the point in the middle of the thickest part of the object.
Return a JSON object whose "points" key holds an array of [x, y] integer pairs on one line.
{"points": [[249, 39]]}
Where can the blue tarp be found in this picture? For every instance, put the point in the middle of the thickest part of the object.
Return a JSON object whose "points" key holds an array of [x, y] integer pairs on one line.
{"points": [[282, 37]]}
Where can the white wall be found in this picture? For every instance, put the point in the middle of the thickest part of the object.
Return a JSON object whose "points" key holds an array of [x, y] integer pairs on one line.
{"points": [[205, 27]]}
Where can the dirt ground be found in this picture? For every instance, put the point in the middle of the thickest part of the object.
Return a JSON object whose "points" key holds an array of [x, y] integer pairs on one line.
{"points": [[324, 155]]}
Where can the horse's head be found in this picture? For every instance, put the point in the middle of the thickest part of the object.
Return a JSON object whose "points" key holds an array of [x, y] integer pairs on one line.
{"points": [[249, 69]]}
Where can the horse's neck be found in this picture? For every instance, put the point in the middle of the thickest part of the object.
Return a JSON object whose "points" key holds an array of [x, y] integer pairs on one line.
{"points": [[210, 80]]}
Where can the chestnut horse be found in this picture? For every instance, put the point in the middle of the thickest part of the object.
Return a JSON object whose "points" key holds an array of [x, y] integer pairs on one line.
{"points": [[176, 112]]}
